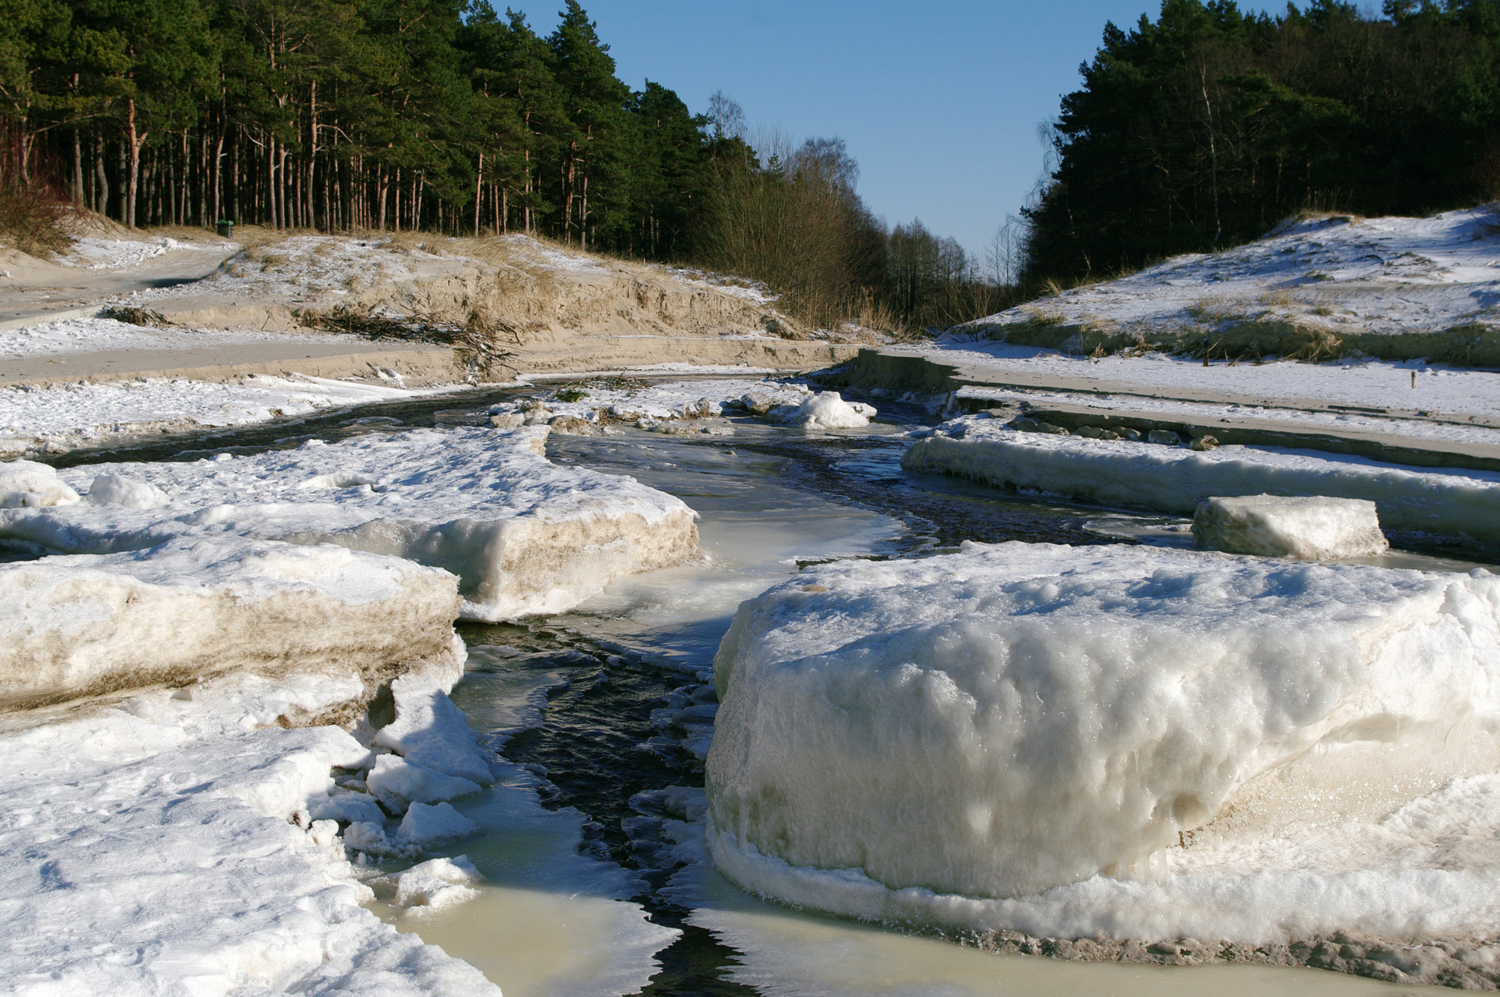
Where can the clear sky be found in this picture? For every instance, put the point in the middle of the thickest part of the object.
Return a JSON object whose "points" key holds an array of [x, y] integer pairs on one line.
{"points": [[939, 101]]}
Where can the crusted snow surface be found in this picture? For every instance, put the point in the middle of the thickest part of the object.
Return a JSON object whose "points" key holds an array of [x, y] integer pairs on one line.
{"points": [[1176, 479], [1009, 736], [524, 536], [1310, 527], [63, 417], [191, 607], [89, 335], [1380, 275], [166, 845]]}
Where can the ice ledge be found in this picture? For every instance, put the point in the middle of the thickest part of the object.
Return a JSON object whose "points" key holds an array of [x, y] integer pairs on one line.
{"points": [[189, 609]]}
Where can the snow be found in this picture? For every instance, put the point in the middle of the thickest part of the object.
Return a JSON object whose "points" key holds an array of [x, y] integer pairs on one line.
{"points": [[826, 410], [790, 404], [163, 845], [1140, 742], [524, 536], [1313, 528], [426, 824], [27, 484], [91, 335], [1175, 479], [1377, 275], [83, 413], [396, 781], [113, 254], [430, 731], [437, 883], [192, 608]]}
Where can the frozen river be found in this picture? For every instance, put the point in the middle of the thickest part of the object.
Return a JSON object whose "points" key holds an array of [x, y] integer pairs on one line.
{"points": [[593, 878]]}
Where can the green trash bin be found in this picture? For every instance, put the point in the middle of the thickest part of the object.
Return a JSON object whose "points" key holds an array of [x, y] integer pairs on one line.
{"points": [[225, 228]]}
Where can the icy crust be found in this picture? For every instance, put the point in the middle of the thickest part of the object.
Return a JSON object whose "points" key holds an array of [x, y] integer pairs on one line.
{"points": [[1003, 737], [523, 535], [216, 878], [87, 624], [1309, 527], [1176, 479]]}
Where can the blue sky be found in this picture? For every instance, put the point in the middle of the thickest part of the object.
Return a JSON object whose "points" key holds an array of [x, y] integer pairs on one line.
{"points": [[938, 101]]}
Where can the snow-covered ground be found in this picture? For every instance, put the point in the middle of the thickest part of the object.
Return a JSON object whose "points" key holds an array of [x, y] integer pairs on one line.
{"points": [[90, 335], [1367, 275], [116, 254], [1150, 744], [1143, 475], [524, 536], [54, 419]]}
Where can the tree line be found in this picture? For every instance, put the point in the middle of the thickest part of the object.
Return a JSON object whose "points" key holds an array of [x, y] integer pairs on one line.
{"points": [[1209, 125], [340, 114], [439, 115]]}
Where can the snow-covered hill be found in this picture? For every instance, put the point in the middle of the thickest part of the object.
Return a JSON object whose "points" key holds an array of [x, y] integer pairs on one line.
{"points": [[1316, 287]]}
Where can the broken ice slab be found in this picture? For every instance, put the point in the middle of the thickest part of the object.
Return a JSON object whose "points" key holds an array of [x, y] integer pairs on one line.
{"points": [[1175, 479], [524, 535], [192, 608], [1308, 527], [1008, 719]]}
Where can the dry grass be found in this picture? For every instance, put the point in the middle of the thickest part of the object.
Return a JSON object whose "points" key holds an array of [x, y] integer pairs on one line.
{"points": [[32, 220]]}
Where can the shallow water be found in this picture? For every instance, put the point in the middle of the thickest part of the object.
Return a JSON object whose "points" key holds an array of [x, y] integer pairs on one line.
{"points": [[600, 710]]}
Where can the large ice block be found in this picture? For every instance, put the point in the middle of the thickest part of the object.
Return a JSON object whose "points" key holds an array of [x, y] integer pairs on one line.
{"points": [[1309, 527], [1012, 718]]}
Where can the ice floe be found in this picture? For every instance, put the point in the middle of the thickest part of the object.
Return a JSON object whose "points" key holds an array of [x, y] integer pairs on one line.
{"points": [[1176, 479], [1020, 736], [1310, 527], [524, 536], [192, 608]]}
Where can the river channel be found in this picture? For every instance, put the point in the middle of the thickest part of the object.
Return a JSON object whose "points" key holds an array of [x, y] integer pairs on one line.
{"points": [[593, 880]]}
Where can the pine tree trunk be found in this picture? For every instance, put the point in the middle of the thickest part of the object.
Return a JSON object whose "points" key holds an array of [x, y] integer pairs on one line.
{"points": [[77, 169], [101, 178], [136, 138]]}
